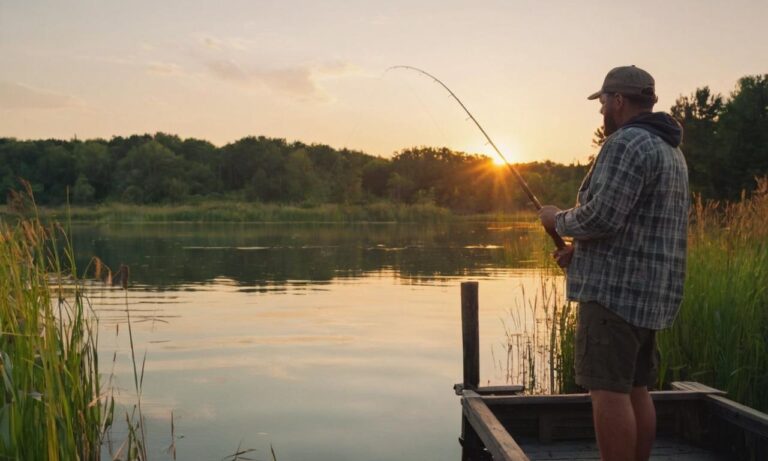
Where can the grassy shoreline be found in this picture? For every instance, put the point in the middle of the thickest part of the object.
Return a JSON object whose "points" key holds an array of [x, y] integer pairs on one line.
{"points": [[235, 211], [720, 337], [53, 407]]}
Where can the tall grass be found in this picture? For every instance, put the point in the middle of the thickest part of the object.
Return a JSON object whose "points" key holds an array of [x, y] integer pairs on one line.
{"points": [[51, 406], [54, 404], [539, 339], [241, 211], [720, 337], [233, 211]]}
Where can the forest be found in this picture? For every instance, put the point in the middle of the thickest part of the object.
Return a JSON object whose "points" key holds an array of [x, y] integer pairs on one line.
{"points": [[725, 143]]}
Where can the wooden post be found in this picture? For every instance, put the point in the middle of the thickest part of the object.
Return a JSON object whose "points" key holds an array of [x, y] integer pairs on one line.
{"points": [[470, 334], [472, 448]]}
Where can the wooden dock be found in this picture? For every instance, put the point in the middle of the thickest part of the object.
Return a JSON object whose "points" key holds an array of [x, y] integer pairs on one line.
{"points": [[694, 422]]}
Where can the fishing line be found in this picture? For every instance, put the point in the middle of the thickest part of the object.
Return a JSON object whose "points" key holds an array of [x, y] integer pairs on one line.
{"points": [[425, 109], [520, 180]]}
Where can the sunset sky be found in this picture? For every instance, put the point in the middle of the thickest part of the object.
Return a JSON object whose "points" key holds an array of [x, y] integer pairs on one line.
{"points": [[314, 70]]}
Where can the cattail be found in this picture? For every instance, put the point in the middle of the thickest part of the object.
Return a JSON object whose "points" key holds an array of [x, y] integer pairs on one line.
{"points": [[29, 232]]}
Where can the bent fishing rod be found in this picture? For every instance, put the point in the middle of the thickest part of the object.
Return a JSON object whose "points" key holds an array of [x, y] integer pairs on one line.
{"points": [[559, 243]]}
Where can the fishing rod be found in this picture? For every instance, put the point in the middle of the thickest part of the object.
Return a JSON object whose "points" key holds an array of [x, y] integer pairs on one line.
{"points": [[520, 180]]}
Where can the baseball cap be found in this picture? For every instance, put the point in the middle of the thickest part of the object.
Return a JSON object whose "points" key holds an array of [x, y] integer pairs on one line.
{"points": [[629, 80]]}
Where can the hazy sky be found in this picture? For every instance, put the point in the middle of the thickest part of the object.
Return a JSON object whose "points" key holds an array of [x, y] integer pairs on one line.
{"points": [[314, 70]]}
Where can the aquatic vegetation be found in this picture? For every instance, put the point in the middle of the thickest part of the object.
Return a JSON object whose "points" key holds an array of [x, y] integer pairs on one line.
{"points": [[55, 405], [720, 337], [52, 405], [238, 211], [539, 339]]}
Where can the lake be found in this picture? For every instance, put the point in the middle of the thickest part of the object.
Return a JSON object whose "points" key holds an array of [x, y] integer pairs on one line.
{"points": [[324, 341]]}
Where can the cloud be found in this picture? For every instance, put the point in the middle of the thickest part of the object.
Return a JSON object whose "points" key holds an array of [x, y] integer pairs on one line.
{"points": [[165, 68], [337, 69], [122, 60], [298, 81], [20, 96], [229, 43], [227, 70]]}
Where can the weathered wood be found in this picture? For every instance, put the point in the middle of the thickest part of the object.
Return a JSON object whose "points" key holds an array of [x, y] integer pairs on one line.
{"points": [[512, 389], [470, 334], [693, 413], [665, 449], [562, 417], [493, 400], [495, 437], [696, 387], [472, 448], [546, 427], [742, 416]]}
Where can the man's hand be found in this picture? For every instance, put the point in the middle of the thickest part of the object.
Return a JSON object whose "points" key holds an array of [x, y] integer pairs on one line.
{"points": [[563, 255], [547, 216]]}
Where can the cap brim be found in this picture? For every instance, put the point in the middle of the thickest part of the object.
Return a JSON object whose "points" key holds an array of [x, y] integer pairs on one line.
{"points": [[594, 95]]}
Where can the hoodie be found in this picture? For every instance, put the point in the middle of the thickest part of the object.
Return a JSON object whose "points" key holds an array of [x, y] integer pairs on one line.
{"points": [[660, 124]]}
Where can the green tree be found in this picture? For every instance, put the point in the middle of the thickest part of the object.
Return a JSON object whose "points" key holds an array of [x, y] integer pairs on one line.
{"points": [[155, 171], [300, 178], [94, 161], [699, 114], [743, 131], [240, 161], [56, 171], [83, 192], [375, 176], [400, 189]]}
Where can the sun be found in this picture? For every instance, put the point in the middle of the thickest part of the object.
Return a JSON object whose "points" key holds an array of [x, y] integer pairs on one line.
{"points": [[509, 150], [498, 161]]}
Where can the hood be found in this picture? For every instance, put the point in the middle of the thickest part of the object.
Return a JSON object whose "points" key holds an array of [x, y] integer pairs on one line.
{"points": [[660, 124]]}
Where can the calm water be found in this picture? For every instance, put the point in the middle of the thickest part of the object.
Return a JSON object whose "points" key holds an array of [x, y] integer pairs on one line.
{"points": [[329, 342]]}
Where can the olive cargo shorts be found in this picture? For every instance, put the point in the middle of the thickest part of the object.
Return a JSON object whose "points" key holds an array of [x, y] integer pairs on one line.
{"points": [[611, 354]]}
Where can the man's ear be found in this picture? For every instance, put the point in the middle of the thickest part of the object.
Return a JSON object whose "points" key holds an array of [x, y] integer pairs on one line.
{"points": [[620, 101]]}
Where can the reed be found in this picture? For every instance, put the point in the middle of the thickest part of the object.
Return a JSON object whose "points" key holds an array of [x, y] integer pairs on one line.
{"points": [[238, 211], [720, 337], [52, 407], [539, 339]]}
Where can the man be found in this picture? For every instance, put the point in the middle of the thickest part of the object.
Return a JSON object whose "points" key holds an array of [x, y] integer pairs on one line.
{"points": [[626, 266]]}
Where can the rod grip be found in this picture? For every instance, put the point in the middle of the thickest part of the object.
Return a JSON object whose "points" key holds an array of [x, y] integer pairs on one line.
{"points": [[559, 243]]}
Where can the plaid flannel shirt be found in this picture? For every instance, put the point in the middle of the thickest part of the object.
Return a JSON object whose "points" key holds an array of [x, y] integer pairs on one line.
{"points": [[629, 227]]}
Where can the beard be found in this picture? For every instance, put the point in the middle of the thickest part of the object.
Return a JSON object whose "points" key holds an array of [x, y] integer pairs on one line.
{"points": [[609, 124]]}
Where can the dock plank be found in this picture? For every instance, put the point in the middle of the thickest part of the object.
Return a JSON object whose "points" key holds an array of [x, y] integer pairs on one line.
{"points": [[495, 437], [559, 399], [665, 449], [696, 387]]}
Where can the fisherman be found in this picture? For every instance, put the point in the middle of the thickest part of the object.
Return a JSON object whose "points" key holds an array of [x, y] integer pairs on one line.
{"points": [[626, 266]]}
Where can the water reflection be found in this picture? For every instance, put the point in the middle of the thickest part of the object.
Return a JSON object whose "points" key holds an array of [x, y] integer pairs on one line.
{"points": [[170, 255], [329, 342]]}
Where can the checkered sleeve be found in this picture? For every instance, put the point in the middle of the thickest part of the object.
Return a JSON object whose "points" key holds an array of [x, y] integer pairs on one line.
{"points": [[616, 184]]}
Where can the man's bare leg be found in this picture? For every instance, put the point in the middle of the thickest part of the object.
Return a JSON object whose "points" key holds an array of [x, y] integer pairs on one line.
{"points": [[645, 417], [615, 425]]}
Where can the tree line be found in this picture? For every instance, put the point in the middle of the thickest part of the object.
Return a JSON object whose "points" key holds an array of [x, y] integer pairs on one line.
{"points": [[163, 168], [725, 144], [725, 140]]}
